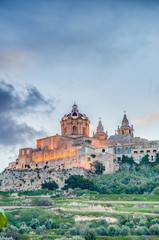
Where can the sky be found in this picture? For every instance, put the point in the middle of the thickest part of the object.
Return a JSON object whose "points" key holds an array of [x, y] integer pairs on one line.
{"points": [[102, 54]]}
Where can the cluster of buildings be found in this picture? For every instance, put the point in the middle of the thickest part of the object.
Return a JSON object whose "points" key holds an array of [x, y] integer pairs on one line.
{"points": [[75, 148]]}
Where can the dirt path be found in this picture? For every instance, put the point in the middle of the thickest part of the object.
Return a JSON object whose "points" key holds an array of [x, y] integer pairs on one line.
{"points": [[122, 202]]}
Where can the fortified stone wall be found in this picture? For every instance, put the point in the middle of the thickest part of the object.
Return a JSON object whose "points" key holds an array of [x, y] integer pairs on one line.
{"points": [[29, 179]]}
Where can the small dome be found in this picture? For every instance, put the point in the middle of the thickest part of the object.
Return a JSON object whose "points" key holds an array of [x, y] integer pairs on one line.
{"points": [[75, 114]]}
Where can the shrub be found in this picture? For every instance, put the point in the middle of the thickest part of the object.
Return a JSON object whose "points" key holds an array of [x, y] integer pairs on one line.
{"points": [[50, 185], [90, 234], [113, 230], [154, 229], [154, 221], [145, 231], [99, 167], [79, 229], [34, 223], [139, 231], [73, 232], [103, 223], [130, 224], [101, 231], [78, 181], [143, 223], [156, 191], [24, 229], [48, 224], [42, 202], [40, 230], [4, 238], [125, 231]]}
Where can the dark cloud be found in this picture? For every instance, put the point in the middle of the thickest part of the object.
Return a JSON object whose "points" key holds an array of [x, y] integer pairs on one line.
{"points": [[13, 104]]}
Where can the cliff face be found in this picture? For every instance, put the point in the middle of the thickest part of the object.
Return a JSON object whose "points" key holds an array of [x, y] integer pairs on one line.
{"points": [[29, 179]]}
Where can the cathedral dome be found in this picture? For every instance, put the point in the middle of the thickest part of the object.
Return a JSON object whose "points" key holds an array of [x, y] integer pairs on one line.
{"points": [[75, 114]]}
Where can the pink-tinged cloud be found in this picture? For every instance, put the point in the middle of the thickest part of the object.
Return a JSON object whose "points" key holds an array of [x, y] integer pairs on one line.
{"points": [[13, 58], [149, 119]]}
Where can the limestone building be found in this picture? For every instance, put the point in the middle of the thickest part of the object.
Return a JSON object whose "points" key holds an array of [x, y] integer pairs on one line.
{"points": [[75, 148]]}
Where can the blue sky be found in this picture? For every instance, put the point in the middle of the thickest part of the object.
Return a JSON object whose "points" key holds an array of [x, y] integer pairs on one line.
{"points": [[101, 54]]}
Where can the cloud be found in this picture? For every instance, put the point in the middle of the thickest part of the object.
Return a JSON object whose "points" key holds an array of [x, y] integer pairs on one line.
{"points": [[149, 119], [14, 104]]}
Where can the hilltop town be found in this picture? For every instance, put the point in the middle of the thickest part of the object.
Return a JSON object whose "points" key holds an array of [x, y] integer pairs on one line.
{"points": [[75, 148]]}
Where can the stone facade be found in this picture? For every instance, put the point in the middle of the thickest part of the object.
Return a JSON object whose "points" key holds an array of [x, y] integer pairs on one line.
{"points": [[75, 148]]}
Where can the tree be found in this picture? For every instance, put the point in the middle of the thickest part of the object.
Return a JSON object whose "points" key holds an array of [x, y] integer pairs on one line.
{"points": [[99, 167], [50, 185], [78, 181], [34, 223], [125, 231], [113, 230], [90, 234], [154, 229]]}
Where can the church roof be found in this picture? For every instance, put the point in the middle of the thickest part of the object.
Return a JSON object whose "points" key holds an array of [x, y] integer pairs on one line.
{"points": [[121, 136]]}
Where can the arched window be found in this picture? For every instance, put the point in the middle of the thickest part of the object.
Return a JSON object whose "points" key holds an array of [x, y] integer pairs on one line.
{"points": [[127, 150], [141, 146], [123, 131], [118, 150], [74, 130], [84, 130]]}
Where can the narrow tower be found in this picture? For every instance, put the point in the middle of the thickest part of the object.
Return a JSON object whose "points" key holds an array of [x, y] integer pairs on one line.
{"points": [[100, 134], [125, 128]]}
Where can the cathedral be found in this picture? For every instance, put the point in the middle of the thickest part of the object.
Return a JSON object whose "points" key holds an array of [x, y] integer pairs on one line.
{"points": [[75, 148]]}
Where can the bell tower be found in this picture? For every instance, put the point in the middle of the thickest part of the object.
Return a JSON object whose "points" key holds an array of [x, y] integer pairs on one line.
{"points": [[100, 134], [75, 123], [125, 128]]}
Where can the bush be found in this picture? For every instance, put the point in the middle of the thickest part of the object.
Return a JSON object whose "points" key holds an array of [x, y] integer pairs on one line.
{"points": [[154, 221], [90, 234], [79, 229], [50, 185], [101, 231], [40, 230], [139, 231], [4, 238], [51, 224], [130, 224], [103, 223], [125, 231], [143, 223], [78, 181], [154, 229], [145, 231], [99, 167], [113, 230], [156, 191], [24, 229], [34, 223], [42, 202]]}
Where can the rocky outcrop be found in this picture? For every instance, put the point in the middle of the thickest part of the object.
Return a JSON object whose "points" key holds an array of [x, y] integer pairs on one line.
{"points": [[29, 179]]}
